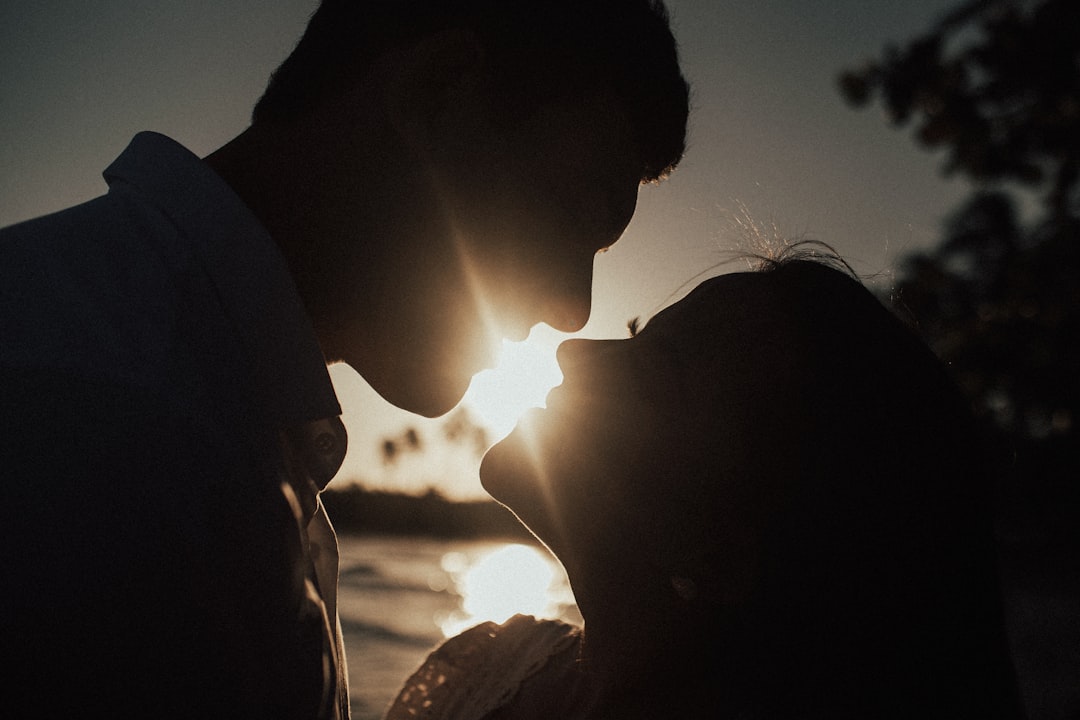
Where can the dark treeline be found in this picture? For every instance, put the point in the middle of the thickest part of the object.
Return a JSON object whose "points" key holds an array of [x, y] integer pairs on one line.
{"points": [[995, 88], [355, 510]]}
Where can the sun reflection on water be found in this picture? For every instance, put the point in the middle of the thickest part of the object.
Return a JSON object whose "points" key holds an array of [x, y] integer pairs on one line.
{"points": [[504, 582]]}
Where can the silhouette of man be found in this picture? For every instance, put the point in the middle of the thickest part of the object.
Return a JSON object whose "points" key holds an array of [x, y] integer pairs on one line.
{"points": [[420, 179]]}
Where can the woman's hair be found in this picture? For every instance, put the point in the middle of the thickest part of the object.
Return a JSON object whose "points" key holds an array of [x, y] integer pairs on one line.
{"points": [[843, 450], [538, 50], [777, 255]]}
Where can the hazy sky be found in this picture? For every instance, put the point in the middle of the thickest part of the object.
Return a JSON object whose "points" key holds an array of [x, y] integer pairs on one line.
{"points": [[771, 138]]}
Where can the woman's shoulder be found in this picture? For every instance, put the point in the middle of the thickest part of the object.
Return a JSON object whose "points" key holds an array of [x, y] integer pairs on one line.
{"points": [[474, 674]]}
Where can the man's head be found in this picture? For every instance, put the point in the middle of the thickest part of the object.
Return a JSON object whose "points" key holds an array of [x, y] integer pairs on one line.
{"points": [[538, 53], [480, 153]]}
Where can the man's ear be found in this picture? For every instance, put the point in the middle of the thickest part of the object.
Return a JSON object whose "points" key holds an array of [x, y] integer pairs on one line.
{"points": [[435, 88]]}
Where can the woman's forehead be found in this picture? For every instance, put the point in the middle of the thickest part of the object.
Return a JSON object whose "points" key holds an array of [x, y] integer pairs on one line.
{"points": [[723, 321], [718, 301], [737, 334]]}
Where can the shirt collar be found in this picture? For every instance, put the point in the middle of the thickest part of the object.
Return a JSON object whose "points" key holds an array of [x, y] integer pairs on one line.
{"points": [[247, 269]]}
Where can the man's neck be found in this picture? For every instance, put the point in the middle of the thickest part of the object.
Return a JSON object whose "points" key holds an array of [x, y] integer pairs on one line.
{"points": [[267, 175], [348, 211]]}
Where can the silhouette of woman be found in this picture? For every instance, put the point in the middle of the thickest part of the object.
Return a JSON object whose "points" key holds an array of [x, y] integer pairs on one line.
{"points": [[770, 503]]}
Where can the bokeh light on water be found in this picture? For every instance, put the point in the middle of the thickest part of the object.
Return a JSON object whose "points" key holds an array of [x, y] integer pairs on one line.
{"points": [[499, 584], [400, 597]]}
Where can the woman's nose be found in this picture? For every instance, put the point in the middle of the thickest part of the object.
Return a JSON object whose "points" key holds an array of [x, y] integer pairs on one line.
{"points": [[570, 353], [589, 358]]}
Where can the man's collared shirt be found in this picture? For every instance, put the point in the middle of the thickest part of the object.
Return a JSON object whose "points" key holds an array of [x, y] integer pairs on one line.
{"points": [[161, 319]]}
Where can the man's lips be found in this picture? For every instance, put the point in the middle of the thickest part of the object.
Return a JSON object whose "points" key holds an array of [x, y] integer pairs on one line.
{"points": [[491, 352]]}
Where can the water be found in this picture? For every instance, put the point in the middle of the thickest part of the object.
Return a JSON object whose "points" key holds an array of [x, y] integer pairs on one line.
{"points": [[400, 597]]}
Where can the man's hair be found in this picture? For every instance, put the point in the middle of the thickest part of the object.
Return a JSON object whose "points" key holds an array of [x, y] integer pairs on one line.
{"points": [[540, 51]]}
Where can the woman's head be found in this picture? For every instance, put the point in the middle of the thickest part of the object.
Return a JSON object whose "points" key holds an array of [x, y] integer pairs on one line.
{"points": [[775, 466]]}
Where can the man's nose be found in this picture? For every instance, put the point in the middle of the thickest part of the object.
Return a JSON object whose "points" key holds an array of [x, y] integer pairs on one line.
{"points": [[570, 317], [571, 310], [568, 308]]}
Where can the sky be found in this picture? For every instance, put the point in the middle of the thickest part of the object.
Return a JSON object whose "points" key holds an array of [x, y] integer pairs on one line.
{"points": [[771, 143]]}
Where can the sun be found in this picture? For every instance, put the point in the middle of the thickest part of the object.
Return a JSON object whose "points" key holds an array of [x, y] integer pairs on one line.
{"points": [[526, 371]]}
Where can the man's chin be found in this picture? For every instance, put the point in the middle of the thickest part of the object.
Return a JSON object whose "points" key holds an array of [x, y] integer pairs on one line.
{"points": [[430, 400]]}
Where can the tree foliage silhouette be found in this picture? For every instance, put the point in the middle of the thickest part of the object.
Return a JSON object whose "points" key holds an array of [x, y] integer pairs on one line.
{"points": [[995, 86], [996, 83]]}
